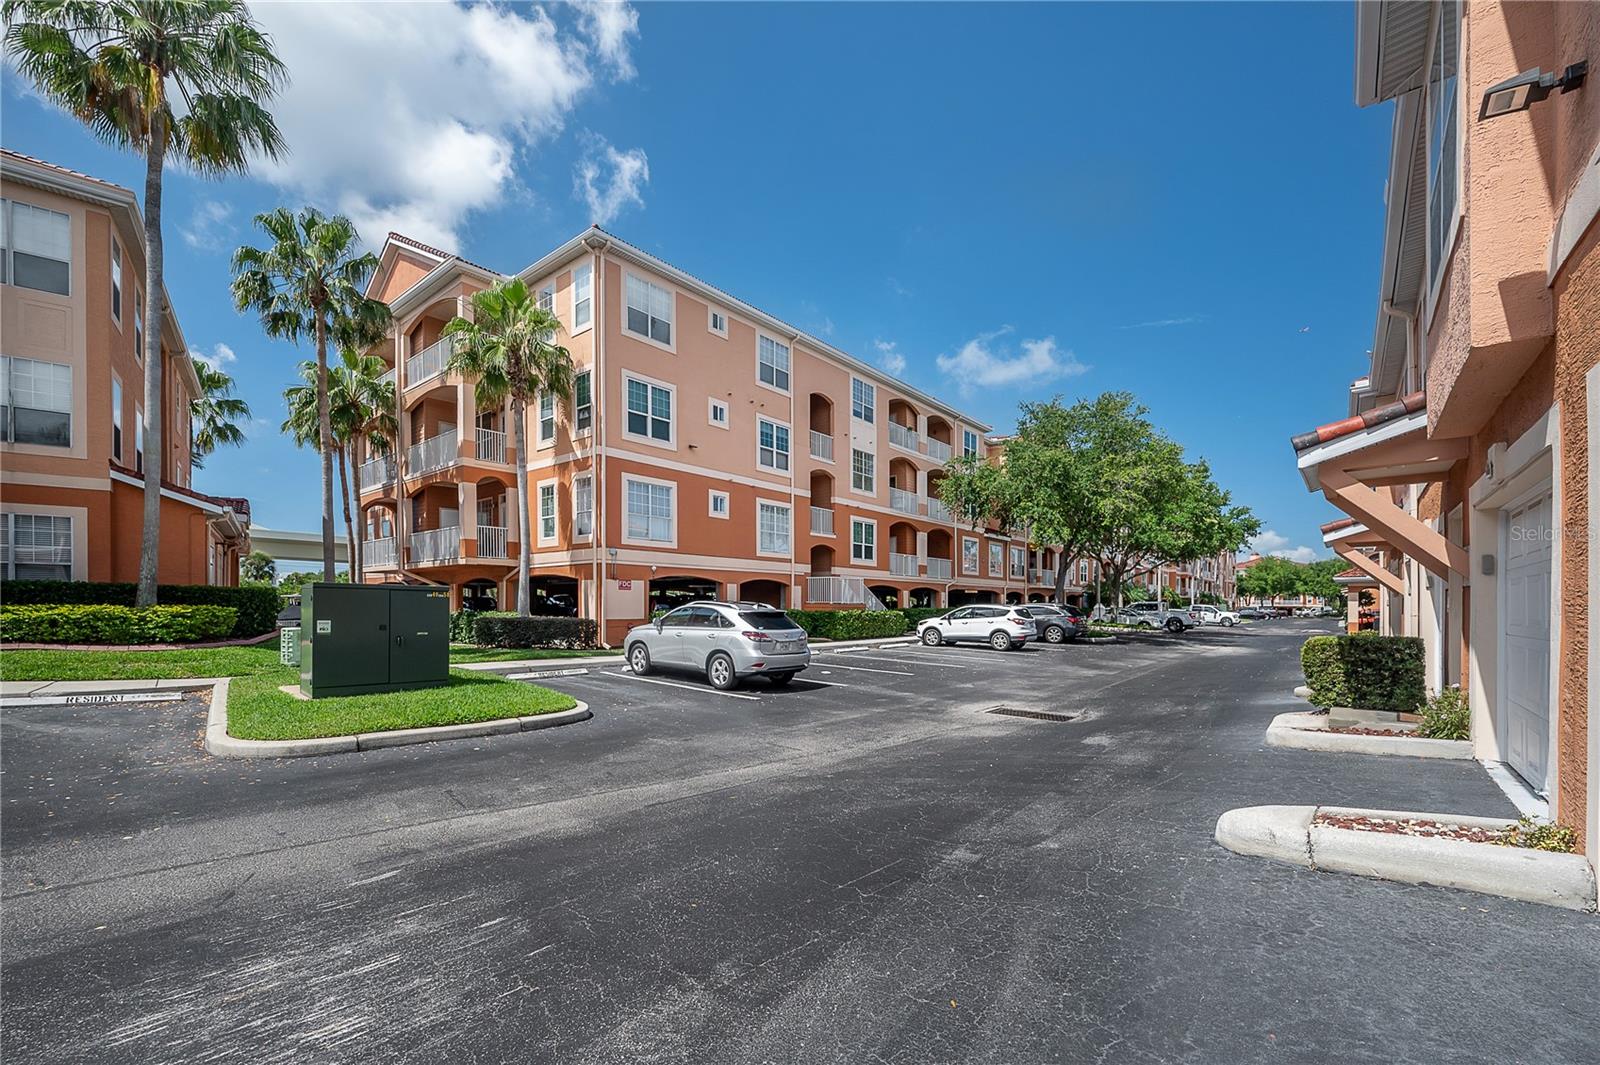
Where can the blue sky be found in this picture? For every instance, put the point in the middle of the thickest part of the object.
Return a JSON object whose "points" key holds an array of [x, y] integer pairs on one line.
{"points": [[1180, 200]]}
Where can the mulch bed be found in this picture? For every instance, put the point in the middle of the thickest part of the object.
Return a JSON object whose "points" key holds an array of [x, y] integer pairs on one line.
{"points": [[1361, 730], [1410, 826]]}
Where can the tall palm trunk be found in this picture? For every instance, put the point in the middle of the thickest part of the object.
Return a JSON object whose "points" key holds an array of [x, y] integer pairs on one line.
{"points": [[154, 290], [325, 445], [519, 431], [349, 529]]}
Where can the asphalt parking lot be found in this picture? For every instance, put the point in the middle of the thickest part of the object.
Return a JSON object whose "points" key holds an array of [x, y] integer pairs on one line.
{"points": [[864, 866]]}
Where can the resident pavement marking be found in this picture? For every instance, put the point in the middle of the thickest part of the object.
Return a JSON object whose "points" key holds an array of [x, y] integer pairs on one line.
{"points": [[674, 684]]}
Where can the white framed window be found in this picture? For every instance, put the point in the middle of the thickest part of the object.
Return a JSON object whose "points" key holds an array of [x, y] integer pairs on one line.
{"points": [[863, 400], [138, 326], [997, 560], [717, 322], [774, 525], [717, 504], [36, 547], [863, 540], [547, 298], [583, 403], [716, 412], [772, 444], [649, 510], [582, 297], [547, 512], [138, 438], [37, 248], [116, 418], [969, 555], [969, 444], [1443, 117], [1019, 562], [862, 467], [648, 310], [1083, 571], [547, 417], [772, 363], [35, 402], [583, 506], [649, 405], [116, 280]]}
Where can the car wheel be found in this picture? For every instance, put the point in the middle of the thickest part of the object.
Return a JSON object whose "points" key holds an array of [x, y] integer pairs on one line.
{"points": [[1146, 623], [1055, 634], [932, 636], [1000, 641], [1228, 623], [719, 671], [780, 679], [639, 659], [1174, 625]]}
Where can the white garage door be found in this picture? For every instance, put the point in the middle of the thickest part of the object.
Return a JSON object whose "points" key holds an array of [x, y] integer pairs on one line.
{"points": [[1526, 621]]}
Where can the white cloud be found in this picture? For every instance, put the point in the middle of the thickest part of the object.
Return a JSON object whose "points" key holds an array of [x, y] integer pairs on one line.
{"points": [[412, 116], [892, 360], [609, 181], [1164, 323], [610, 24], [1270, 542], [219, 357], [983, 364], [209, 227]]}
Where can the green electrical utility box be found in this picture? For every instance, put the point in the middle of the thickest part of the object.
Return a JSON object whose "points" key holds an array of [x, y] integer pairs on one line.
{"points": [[359, 638]]}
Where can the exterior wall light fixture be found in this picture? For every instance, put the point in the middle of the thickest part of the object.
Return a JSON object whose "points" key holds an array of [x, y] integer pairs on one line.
{"points": [[1524, 90]]}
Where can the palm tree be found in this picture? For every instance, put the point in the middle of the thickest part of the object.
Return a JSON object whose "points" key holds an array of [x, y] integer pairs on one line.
{"points": [[215, 414], [118, 65], [360, 403], [308, 282], [508, 347]]}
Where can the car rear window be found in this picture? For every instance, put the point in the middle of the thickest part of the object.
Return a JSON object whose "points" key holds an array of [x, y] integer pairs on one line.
{"points": [[767, 619]]}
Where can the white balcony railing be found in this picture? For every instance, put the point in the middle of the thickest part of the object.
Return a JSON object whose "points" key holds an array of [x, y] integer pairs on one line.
{"points": [[938, 450], [841, 591], [435, 545], [1041, 576], [379, 552], [821, 521], [492, 541], [429, 362], [388, 376], [434, 453], [937, 511], [904, 502], [821, 446], [375, 473], [940, 569], [491, 445], [901, 436], [903, 565]]}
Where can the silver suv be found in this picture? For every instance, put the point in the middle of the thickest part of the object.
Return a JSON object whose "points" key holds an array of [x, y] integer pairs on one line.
{"points": [[725, 641], [1150, 614]]}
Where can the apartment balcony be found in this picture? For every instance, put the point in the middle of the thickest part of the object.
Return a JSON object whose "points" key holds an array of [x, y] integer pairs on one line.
{"points": [[492, 541], [821, 446], [388, 377], [428, 363], [375, 473], [904, 502], [841, 591], [937, 511], [1041, 576], [902, 436], [434, 453], [904, 565], [379, 553], [821, 521], [940, 569], [435, 545], [938, 450], [491, 445]]}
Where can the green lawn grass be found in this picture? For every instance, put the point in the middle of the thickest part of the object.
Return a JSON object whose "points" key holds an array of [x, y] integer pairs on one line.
{"points": [[513, 654], [201, 662], [258, 710]]}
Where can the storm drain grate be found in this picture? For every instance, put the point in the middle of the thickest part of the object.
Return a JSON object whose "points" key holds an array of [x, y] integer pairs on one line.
{"points": [[1036, 715]]}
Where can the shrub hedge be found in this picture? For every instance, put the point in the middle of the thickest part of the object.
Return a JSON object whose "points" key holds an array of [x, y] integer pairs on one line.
{"points": [[106, 623], [256, 608], [1365, 671], [917, 614], [850, 624], [508, 630]]}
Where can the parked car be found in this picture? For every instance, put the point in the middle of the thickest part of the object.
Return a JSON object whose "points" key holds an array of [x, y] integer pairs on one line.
{"points": [[1254, 613], [1151, 614], [1057, 624], [727, 642], [1001, 627], [1216, 615]]}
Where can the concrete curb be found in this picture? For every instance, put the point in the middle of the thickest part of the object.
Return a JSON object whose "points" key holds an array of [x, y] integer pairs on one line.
{"points": [[523, 665], [1309, 732], [219, 743], [17, 689], [1303, 692], [1288, 834]]}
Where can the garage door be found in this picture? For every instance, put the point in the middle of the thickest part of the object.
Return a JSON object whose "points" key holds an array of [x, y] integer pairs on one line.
{"points": [[1526, 621]]}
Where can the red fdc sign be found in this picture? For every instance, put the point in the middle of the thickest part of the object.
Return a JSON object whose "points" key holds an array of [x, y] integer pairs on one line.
{"points": [[624, 586]]}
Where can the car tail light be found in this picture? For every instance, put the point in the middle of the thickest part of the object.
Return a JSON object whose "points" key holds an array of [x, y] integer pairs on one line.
{"points": [[757, 637]]}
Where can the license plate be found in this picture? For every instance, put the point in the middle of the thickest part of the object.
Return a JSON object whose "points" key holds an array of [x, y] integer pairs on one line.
{"points": [[789, 647]]}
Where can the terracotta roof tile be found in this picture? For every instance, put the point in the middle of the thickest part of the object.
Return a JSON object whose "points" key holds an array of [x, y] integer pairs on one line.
{"points": [[1376, 416], [431, 250], [1335, 526]]}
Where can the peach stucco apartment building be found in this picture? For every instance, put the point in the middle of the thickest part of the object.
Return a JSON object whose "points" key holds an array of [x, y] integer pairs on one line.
{"points": [[710, 450], [1467, 464], [72, 360]]}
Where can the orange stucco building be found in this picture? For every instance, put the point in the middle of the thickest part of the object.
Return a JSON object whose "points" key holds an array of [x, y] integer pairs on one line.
{"points": [[72, 361]]}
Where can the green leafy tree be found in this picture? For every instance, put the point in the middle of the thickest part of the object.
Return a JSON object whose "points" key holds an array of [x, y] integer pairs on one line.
{"points": [[182, 79], [258, 566], [1316, 579], [216, 414], [508, 346], [308, 283], [1270, 579]]}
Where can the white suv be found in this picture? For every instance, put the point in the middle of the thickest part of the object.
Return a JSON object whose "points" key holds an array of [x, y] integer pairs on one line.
{"points": [[1001, 627], [1215, 615]]}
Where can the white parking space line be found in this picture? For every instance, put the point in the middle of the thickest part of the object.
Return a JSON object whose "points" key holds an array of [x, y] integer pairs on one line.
{"points": [[674, 684], [824, 683], [907, 661], [867, 669]]}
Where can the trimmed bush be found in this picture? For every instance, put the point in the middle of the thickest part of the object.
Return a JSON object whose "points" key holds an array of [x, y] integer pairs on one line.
{"points": [[104, 623], [509, 630], [256, 608], [917, 614], [462, 623], [850, 624], [1365, 672], [1446, 716]]}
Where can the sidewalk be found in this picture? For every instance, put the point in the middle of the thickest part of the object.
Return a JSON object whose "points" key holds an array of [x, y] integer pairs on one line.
{"points": [[21, 689]]}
